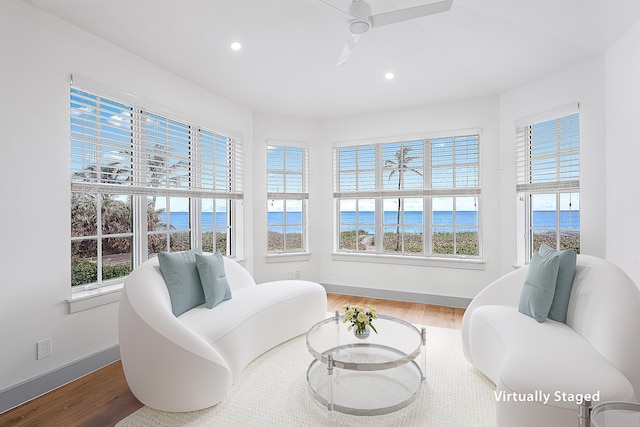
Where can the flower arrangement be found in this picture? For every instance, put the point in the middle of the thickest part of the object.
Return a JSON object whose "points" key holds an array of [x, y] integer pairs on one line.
{"points": [[359, 317]]}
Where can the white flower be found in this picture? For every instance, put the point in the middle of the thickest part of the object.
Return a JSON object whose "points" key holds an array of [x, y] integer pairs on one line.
{"points": [[358, 317]]}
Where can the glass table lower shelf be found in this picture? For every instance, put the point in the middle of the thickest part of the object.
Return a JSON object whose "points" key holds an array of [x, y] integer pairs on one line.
{"points": [[366, 393]]}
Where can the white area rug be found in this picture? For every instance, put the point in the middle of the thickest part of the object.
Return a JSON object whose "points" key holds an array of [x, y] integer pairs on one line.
{"points": [[272, 391]]}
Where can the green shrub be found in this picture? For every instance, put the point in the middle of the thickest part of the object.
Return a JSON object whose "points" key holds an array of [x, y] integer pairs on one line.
{"points": [[115, 271], [83, 271]]}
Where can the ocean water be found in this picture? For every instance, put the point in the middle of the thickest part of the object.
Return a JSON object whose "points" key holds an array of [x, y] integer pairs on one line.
{"points": [[441, 219], [180, 220]]}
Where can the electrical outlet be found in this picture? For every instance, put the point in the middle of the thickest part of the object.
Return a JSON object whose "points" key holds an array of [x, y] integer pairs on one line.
{"points": [[44, 348], [296, 274], [292, 274]]}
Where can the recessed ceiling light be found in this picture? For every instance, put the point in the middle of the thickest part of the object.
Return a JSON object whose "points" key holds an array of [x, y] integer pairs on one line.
{"points": [[389, 75], [236, 46]]}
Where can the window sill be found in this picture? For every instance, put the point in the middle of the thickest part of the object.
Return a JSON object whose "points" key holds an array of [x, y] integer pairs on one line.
{"points": [[288, 257], [84, 300], [461, 263]]}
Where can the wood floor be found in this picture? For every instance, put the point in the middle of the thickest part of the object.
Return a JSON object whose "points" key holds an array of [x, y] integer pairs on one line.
{"points": [[103, 398]]}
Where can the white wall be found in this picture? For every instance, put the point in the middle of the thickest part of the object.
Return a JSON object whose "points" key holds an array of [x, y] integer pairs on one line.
{"points": [[422, 279], [583, 83], [39, 52], [623, 152]]}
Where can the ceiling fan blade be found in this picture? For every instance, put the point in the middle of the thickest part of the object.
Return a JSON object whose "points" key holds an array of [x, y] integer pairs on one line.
{"points": [[410, 13], [336, 8], [348, 48]]}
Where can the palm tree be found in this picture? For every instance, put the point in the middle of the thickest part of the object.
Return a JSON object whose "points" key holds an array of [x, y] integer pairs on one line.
{"points": [[401, 165], [161, 172], [112, 173]]}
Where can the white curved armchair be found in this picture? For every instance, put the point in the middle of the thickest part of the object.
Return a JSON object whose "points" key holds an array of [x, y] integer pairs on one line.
{"points": [[598, 348]]}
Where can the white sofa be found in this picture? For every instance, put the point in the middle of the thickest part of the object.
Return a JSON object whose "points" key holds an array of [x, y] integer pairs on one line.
{"points": [[596, 352], [189, 362]]}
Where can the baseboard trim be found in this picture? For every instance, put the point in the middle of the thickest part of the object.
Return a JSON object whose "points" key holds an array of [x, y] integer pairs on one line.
{"points": [[28, 390], [442, 300]]}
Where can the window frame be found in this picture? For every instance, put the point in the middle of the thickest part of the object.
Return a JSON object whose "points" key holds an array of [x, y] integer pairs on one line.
{"points": [[201, 185], [378, 193], [547, 169], [279, 192]]}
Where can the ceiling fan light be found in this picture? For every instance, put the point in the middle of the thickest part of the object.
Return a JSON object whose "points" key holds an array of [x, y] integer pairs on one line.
{"points": [[359, 26]]}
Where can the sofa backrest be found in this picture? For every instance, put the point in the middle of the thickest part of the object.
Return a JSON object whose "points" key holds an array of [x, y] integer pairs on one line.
{"points": [[148, 280], [605, 309], [237, 276]]}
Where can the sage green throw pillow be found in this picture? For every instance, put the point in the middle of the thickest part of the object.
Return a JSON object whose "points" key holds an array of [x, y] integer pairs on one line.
{"points": [[539, 286], [180, 274], [564, 281], [213, 278]]}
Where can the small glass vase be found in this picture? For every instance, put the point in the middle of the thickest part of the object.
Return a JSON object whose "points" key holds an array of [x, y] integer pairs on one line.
{"points": [[362, 333]]}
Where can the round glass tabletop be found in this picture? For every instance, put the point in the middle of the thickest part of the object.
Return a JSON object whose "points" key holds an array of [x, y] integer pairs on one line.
{"points": [[396, 343]]}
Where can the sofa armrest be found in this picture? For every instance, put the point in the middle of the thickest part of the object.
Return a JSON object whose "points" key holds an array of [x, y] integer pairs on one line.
{"points": [[161, 355], [504, 291]]}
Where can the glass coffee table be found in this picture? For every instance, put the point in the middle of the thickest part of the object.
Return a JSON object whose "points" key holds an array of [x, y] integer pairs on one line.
{"points": [[371, 376], [616, 414]]}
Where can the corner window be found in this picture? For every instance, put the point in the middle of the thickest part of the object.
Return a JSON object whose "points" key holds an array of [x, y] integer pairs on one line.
{"points": [[548, 184], [414, 198], [143, 183], [287, 195]]}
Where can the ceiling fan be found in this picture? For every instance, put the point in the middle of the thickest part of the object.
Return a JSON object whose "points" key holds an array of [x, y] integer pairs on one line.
{"points": [[361, 20]]}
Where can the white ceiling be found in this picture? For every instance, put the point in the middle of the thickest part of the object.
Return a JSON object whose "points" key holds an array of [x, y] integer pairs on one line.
{"points": [[291, 47]]}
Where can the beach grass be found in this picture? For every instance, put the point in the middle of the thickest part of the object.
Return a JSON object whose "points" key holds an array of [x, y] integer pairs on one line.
{"points": [[466, 243], [568, 240], [276, 242]]}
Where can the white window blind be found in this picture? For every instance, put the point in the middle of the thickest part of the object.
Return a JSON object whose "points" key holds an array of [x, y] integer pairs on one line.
{"points": [[548, 155], [221, 157], [287, 169], [101, 142], [398, 168], [113, 144], [403, 165], [455, 163], [166, 154], [355, 168]]}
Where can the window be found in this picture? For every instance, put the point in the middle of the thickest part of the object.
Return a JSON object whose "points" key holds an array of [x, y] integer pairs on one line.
{"points": [[142, 183], [417, 197], [548, 183], [287, 196]]}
